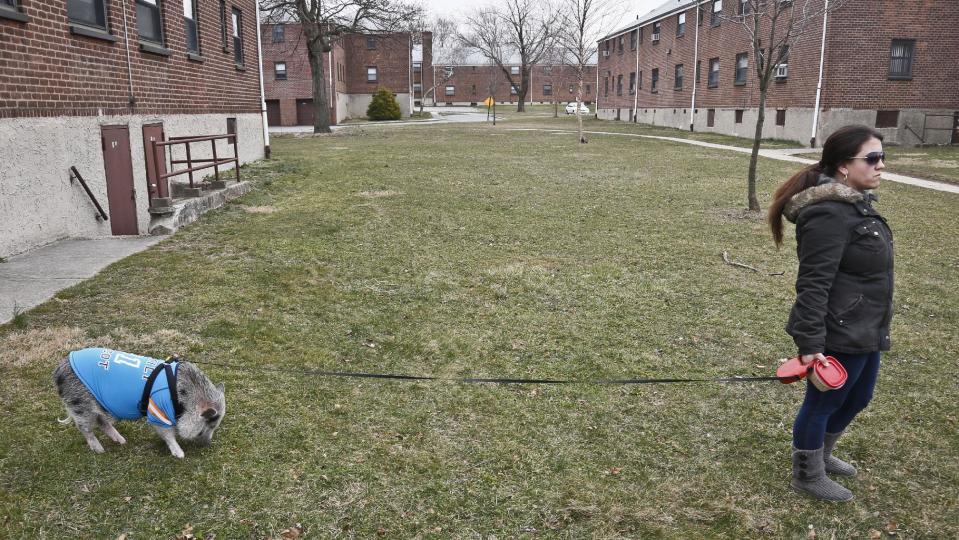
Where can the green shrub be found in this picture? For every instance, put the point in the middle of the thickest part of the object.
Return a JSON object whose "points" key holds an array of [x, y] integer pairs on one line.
{"points": [[384, 106]]}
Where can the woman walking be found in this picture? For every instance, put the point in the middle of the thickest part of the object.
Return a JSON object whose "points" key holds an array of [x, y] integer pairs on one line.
{"points": [[843, 294]]}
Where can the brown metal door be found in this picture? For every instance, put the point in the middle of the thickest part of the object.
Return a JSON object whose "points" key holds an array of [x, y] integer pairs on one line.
{"points": [[119, 170], [955, 127], [304, 112], [155, 160], [272, 112]]}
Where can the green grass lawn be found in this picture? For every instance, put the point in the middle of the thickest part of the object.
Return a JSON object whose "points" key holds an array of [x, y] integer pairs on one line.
{"points": [[467, 250], [939, 163]]}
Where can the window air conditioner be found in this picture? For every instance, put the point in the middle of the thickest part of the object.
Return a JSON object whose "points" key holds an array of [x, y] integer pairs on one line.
{"points": [[606, 53], [656, 36], [782, 71]]}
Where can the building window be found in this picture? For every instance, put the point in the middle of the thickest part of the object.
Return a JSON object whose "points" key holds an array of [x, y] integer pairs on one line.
{"points": [[657, 27], [713, 73], [514, 70], [632, 83], [681, 25], [450, 90], [231, 129], [238, 37], [149, 23], [742, 68], [370, 42], [512, 90], [710, 117], [717, 12], [279, 33], [679, 77], [654, 81], [780, 117], [620, 48], [223, 33], [417, 88], [279, 71], [547, 89], [588, 89], [417, 67], [547, 70], [88, 12], [190, 26], [371, 74], [744, 7], [606, 85], [619, 85], [739, 116], [887, 119], [900, 58], [782, 68], [698, 65], [639, 81], [633, 36]]}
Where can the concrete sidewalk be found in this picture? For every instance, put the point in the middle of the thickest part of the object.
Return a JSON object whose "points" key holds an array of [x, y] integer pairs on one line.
{"points": [[782, 154], [30, 279]]}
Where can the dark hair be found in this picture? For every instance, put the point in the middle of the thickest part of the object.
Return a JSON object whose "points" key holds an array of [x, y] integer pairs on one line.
{"points": [[843, 144]]}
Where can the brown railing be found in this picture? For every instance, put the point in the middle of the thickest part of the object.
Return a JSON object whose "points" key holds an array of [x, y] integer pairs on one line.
{"points": [[74, 173], [215, 163]]}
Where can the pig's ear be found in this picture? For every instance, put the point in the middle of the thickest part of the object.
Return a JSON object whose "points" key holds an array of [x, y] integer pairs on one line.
{"points": [[220, 387], [209, 413]]}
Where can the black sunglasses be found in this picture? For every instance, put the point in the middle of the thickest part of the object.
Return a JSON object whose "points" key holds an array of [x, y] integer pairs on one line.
{"points": [[872, 158]]}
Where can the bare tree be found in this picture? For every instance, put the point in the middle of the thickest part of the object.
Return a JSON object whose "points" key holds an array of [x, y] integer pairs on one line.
{"points": [[774, 27], [448, 51], [524, 29], [584, 22], [326, 21]]}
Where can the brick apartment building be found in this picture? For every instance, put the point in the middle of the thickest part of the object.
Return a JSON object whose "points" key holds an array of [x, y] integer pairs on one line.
{"points": [[471, 84], [357, 66], [86, 83], [887, 63]]}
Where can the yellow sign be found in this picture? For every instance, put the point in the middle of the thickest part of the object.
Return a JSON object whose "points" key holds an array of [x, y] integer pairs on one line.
{"points": [[489, 101]]}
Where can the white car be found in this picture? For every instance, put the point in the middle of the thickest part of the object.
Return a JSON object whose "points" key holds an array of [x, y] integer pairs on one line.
{"points": [[571, 108]]}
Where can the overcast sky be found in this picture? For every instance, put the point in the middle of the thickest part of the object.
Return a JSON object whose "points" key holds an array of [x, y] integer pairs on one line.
{"points": [[456, 8]]}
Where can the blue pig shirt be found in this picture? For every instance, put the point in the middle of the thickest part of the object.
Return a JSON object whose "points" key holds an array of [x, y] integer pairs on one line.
{"points": [[117, 381]]}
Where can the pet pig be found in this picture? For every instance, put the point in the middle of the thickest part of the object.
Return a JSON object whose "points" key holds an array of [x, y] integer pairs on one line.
{"points": [[100, 386]]}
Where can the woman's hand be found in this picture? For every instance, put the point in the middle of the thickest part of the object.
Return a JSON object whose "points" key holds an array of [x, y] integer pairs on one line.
{"points": [[807, 359]]}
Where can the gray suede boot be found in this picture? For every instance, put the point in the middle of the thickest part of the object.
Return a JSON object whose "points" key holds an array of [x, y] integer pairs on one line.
{"points": [[809, 476], [835, 465]]}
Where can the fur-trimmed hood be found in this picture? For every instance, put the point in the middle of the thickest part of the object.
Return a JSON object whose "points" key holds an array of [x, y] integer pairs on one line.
{"points": [[828, 189]]}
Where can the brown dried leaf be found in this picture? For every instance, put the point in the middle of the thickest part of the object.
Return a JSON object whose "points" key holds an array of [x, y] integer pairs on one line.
{"points": [[892, 528], [874, 534], [293, 532]]}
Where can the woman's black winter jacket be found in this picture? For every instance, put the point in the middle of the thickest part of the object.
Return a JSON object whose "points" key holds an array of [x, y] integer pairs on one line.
{"points": [[845, 281]]}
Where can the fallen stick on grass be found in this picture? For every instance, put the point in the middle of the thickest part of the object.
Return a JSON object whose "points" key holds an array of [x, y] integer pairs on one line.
{"points": [[734, 263]]}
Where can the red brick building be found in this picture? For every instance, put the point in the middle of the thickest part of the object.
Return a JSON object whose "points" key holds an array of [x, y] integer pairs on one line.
{"points": [[886, 63], [87, 83], [472, 84], [357, 66]]}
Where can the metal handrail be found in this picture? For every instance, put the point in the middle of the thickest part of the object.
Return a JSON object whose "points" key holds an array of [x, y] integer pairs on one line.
{"points": [[214, 163], [74, 173]]}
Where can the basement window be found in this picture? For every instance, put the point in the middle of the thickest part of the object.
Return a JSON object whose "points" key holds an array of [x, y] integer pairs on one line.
{"points": [[780, 117], [887, 119]]}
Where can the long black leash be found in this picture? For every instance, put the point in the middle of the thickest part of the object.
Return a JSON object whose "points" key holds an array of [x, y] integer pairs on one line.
{"points": [[492, 380]]}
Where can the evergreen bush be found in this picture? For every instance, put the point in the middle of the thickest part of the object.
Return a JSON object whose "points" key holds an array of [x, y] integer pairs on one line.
{"points": [[384, 106]]}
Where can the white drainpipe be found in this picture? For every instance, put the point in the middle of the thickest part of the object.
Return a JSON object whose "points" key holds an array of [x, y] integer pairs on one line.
{"points": [[692, 106], [636, 80], [822, 57], [259, 55]]}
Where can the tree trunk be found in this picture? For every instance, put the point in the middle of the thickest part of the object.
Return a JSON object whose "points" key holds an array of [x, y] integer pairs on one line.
{"points": [[321, 106], [523, 88], [579, 99], [754, 157]]}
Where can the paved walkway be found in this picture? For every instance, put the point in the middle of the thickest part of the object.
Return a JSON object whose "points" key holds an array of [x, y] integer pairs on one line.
{"points": [[782, 154], [441, 115], [30, 279]]}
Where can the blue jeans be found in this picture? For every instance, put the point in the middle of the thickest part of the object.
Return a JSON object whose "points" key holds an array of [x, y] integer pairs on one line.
{"points": [[832, 411]]}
